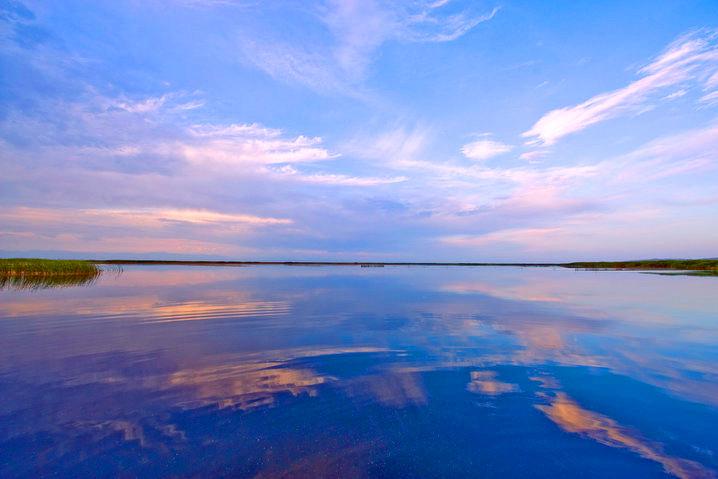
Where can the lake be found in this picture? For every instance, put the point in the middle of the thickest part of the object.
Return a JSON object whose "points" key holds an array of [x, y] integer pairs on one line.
{"points": [[272, 371]]}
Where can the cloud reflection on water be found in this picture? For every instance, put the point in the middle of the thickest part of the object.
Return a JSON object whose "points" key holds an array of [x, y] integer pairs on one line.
{"points": [[251, 339], [572, 418], [485, 382]]}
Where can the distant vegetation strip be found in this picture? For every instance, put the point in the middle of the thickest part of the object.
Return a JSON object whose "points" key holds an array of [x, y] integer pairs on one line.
{"points": [[651, 264], [663, 264], [150, 262]]}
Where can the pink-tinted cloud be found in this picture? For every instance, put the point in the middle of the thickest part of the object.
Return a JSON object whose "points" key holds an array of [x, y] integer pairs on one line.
{"points": [[484, 149]]}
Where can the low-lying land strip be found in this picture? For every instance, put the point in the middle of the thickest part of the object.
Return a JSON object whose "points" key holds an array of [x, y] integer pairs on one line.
{"points": [[45, 268], [305, 263], [651, 264], [662, 264]]}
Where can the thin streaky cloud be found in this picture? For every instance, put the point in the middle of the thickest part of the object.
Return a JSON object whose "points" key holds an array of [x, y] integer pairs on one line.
{"points": [[145, 216], [710, 98], [358, 30], [337, 179], [691, 58]]}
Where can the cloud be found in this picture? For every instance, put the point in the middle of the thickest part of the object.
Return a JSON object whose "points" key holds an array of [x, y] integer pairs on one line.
{"points": [[136, 166], [143, 106], [338, 179], [533, 155], [357, 29], [676, 94], [523, 236], [581, 209], [360, 27], [144, 217], [571, 417], [141, 244], [484, 149], [485, 382], [123, 159], [396, 146], [710, 98], [250, 143], [132, 230], [192, 216], [691, 58], [669, 156], [296, 65], [153, 133], [174, 101]]}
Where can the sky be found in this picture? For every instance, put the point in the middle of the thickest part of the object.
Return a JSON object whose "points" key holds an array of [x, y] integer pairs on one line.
{"points": [[425, 130]]}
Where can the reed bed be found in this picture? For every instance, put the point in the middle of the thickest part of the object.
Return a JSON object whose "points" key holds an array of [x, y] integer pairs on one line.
{"points": [[31, 273]]}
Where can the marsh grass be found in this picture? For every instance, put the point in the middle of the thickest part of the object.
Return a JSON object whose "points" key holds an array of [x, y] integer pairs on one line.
{"points": [[710, 266], [31, 273]]}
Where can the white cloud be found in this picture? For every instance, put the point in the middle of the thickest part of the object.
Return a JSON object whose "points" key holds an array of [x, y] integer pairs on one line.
{"points": [[192, 216], [447, 29], [168, 102], [676, 94], [533, 155], [692, 57], [484, 149], [710, 98], [293, 64], [712, 81], [338, 179], [237, 144], [397, 146], [139, 217], [143, 106], [358, 29]]}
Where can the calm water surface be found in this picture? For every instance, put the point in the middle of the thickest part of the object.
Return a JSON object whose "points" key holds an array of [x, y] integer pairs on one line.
{"points": [[350, 372]]}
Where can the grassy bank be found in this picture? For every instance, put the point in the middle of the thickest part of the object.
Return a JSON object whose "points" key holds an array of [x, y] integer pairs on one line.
{"points": [[707, 265], [44, 273]]}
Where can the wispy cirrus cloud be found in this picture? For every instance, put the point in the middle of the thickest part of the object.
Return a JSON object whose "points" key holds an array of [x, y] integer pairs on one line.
{"points": [[177, 101], [691, 59], [710, 98], [360, 27], [147, 217], [337, 179], [523, 236], [357, 29]]}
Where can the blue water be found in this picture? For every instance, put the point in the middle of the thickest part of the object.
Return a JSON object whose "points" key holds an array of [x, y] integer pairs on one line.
{"points": [[361, 372]]}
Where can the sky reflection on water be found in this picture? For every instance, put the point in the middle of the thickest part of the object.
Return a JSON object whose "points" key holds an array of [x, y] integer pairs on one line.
{"points": [[411, 372]]}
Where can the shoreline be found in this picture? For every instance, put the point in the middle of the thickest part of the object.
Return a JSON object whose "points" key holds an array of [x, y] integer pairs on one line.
{"points": [[307, 263], [640, 265], [29, 266]]}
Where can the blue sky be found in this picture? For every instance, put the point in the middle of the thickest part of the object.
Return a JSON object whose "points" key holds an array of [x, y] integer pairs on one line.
{"points": [[425, 130]]}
